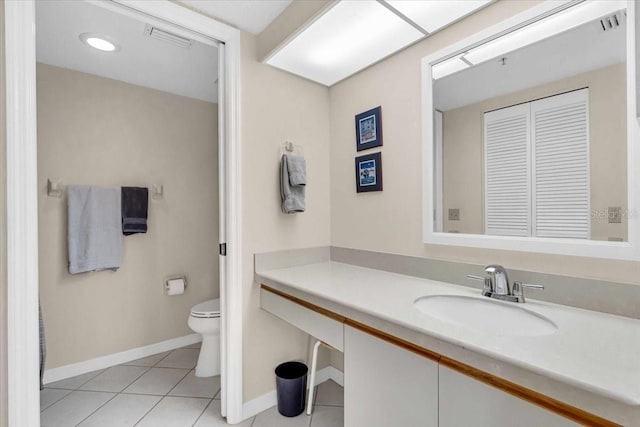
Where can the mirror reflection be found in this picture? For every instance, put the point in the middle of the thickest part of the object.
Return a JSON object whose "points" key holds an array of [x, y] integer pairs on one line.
{"points": [[531, 131]]}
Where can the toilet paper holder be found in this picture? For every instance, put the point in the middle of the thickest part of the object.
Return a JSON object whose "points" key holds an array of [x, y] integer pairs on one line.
{"points": [[173, 283]]}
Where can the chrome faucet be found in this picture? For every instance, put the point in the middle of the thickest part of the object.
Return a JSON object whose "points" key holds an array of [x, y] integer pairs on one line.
{"points": [[499, 279], [496, 285]]}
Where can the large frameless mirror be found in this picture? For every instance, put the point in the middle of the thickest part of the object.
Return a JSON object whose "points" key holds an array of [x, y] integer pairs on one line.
{"points": [[529, 134]]}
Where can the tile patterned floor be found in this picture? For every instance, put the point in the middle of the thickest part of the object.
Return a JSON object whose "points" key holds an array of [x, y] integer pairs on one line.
{"points": [[162, 390]]}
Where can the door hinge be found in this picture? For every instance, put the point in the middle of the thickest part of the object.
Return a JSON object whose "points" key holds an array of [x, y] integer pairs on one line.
{"points": [[223, 249]]}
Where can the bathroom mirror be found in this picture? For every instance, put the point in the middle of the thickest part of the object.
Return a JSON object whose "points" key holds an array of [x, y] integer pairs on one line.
{"points": [[529, 134]]}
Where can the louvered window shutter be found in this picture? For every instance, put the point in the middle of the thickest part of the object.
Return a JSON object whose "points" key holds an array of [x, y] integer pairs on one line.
{"points": [[560, 136], [507, 171]]}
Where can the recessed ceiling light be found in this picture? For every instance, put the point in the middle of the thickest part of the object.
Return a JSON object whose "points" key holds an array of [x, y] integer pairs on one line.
{"points": [[100, 42]]}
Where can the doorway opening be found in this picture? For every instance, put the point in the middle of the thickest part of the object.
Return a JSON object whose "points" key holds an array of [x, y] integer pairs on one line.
{"points": [[23, 179]]}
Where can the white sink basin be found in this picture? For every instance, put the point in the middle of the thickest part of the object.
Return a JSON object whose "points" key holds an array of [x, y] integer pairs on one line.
{"points": [[484, 314]]}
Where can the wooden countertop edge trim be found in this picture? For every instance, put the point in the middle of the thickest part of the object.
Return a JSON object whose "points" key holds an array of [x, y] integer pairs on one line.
{"points": [[305, 304], [565, 410], [420, 351], [526, 394]]}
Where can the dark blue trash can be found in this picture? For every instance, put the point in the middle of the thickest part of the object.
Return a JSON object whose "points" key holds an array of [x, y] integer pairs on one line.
{"points": [[291, 387]]}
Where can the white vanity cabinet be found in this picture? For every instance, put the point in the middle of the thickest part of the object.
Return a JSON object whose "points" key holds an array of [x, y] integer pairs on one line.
{"points": [[464, 401], [385, 385], [392, 382]]}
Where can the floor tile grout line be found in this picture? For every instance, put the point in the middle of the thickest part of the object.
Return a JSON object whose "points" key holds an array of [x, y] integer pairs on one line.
{"points": [[202, 413], [171, 367], [118, 392], [97, 372], [176, 384], [98, 408], [217, 393], [122, 391], [161, 399], [58, 400], [142, 394], [168, 354], [172, 351], [149, 411]]}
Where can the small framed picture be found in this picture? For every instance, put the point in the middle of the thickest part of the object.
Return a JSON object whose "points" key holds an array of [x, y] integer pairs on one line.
{"points": [[369, 129], [369, 173]]}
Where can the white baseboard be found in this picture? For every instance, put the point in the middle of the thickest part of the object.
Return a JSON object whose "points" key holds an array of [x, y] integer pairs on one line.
{"points": [[259, 404], [335, 375], [270, 399], [102, 362]]}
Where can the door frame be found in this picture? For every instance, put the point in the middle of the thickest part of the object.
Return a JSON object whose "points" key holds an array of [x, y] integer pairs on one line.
{"points": [[22, 204]]}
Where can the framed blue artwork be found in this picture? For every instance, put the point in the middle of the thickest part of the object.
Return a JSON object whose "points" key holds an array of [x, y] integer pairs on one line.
{"points": [[369, 129], [369, 173]]}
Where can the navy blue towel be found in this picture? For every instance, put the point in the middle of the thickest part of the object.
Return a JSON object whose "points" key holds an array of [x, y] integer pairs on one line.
{"points": [[135, 203]]}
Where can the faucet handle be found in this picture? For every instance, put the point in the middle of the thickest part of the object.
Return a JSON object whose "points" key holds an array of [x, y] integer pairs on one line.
{"points": [[518, 289], [487, 286]]}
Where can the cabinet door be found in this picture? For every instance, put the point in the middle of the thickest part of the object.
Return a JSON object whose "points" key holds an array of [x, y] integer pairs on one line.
{"points": [[467, 402], [385, 385]]}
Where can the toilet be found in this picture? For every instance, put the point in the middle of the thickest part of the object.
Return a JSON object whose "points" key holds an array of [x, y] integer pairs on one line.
{"points": [[205, 320]]}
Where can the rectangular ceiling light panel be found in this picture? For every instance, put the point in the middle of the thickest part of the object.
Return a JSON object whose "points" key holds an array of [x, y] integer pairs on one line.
{"points": [[349, 37], [167, 37], [450, 66], [557, 23], [433, 15]]}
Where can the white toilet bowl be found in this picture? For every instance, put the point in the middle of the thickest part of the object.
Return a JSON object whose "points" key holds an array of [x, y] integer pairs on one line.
{"points": [[205, 320]]}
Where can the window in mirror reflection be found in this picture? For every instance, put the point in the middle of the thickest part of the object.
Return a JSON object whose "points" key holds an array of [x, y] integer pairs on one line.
{"points": [[532, 141]]}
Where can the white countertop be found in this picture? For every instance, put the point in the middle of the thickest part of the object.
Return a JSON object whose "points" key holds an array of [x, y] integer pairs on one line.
{"points": [[591, 350]]}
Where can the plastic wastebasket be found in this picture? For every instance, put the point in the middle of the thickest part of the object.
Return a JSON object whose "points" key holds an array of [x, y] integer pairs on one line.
{"points": [[291, 387]]}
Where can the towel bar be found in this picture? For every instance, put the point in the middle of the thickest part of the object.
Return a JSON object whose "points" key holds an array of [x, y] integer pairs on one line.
{"points": [[55, 189]]}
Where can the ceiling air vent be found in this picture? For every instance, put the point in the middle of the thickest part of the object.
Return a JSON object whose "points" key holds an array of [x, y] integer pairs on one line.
{"points": [[167, 37], [611, 22]]}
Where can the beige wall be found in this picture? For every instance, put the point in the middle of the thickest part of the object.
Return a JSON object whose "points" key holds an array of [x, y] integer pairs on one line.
{"points": [[277, 106], [97, 131], [391, 221], [3, 234], [463, 162]]}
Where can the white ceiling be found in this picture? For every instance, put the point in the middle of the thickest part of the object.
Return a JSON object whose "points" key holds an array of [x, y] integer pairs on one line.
{"points": [[582, 49], [248, 15], [142, 60]]}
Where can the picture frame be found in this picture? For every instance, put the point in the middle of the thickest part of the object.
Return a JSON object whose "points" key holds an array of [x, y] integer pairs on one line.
{"points": [[369, 172], [369, 129]]}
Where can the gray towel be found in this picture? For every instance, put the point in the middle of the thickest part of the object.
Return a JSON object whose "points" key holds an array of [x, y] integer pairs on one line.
{"points": [[43, 347], [95, 229], [292, 197], [297, 170]]}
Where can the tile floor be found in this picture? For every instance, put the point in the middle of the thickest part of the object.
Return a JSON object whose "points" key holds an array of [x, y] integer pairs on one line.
{"points": [[162, 390]]}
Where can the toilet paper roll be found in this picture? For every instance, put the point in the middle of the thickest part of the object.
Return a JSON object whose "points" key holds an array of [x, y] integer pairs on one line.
{"points": [[175, 286]]}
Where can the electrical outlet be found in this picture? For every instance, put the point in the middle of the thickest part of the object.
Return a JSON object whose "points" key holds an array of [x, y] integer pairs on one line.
{"points": [[454, 214], [614, 215]]}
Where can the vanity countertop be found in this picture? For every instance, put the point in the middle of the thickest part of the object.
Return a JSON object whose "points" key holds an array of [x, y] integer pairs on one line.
{"points": [[593, 351]]}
